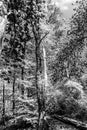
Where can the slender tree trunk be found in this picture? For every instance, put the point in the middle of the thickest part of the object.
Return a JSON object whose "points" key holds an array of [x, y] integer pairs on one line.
{"points": [[40, 93], [38, 67], [37, 37], [3, 115], [45, 68], [22, 86], [43, 94], [13, 107], [22, 70], [36, 83], [14, 78], [45, 78]]}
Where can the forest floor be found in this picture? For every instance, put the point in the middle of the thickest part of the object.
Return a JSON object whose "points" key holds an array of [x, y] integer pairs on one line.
{"points": [[54, 125], [57, 125]]}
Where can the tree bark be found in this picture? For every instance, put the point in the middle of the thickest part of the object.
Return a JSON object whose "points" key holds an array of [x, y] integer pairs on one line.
{"points": [[22, 70], [45, 69], [13, 94], [36, 83], [38, 40], [3, 114], [22, 86]]}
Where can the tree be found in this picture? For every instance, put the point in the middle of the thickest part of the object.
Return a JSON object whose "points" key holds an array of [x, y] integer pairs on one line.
{"points": [[23, 22], [69, 60], [35, 24], [56, 42], [77, 35], [16, 37]]}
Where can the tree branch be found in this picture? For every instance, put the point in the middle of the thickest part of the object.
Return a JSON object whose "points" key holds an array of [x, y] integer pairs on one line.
{"points": [[43, 37]]}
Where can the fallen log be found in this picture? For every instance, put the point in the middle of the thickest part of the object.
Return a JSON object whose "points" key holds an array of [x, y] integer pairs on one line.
{"points": [[18, 123], [77, 124], [21, 125]]}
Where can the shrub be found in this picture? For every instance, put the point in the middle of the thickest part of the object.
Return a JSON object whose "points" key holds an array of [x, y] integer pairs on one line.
{"points": [[68, 100]]}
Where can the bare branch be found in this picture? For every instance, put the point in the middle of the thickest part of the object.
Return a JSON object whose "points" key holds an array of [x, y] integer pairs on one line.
{"points": [[43, 37]]}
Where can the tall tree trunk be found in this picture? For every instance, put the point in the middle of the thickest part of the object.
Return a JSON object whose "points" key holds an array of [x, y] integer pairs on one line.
{"points": [[3, 114], [38, 67], [43, 94], [37, 37], [14, 78], [36, 83], [40, 93]]}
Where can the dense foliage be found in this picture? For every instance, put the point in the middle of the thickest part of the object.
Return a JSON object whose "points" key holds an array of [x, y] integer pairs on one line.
{"points": [[43, 64]]}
